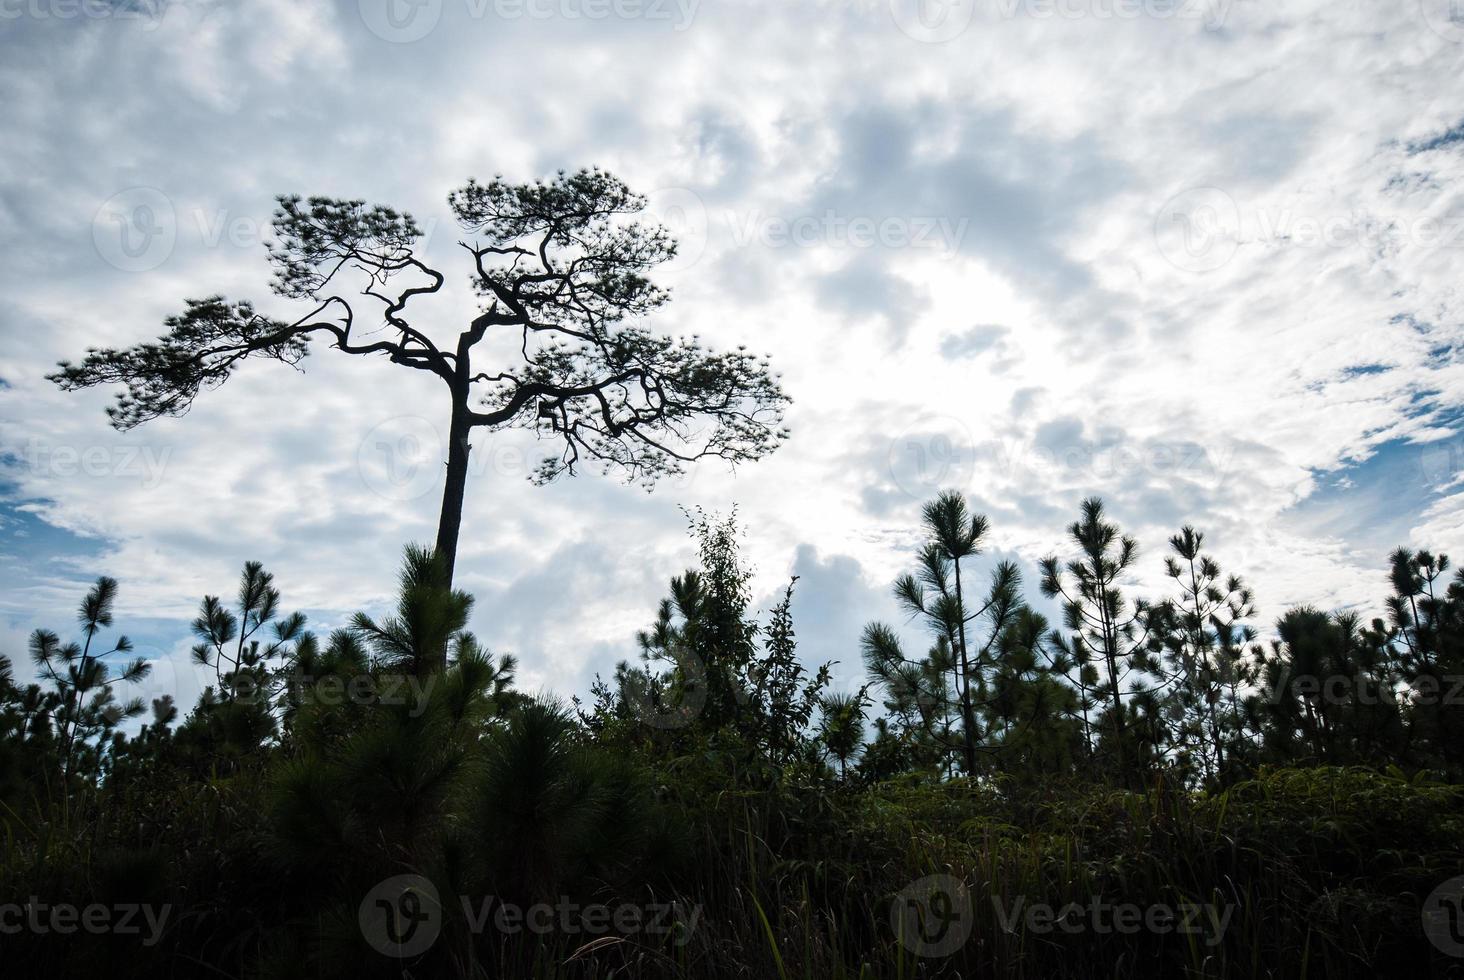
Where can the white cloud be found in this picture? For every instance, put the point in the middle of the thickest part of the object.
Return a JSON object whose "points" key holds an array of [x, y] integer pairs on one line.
{"points": [[1203, 379]]}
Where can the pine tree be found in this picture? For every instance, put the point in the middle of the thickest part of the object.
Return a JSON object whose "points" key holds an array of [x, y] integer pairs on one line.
{"points": [[956, 675], [564, 268], [1111, 642], [82, 705], [1206, 662]]}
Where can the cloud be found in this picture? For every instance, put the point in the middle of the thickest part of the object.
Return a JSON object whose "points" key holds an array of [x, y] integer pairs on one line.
{"points": [[833, 599], [1202, 239], [863, 288], [977, 340]]}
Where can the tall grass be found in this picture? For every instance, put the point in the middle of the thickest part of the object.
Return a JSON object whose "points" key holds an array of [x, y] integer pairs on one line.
{"points": [[1317, 873]]}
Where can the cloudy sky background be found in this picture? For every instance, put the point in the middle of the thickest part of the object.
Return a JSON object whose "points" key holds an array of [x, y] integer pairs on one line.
{"points": [[1199, 258]]}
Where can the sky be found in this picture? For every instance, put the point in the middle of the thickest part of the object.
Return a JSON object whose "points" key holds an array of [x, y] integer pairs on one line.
{"points": [[1200, 258]]}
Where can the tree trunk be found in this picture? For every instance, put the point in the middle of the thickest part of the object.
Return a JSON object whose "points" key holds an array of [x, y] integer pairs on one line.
{"points": [[450, 523], [968, 716], [1110, 657], [79, 695], [1119, 728]]}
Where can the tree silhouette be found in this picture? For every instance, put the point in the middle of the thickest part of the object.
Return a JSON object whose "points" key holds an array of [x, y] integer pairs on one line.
{"points": [[562, 267], [938, 598], [841, 726], [1328, 692], [83, 705], [1207, 650], [1424, 637], [1104, 627], [228, 642]]}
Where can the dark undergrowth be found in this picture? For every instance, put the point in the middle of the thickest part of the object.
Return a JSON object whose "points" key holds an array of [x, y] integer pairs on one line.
{"points": [[382, 801]]}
